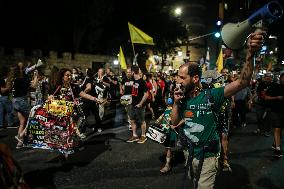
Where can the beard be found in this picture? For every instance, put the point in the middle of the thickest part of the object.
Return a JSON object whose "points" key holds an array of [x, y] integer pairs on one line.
{"points": [[189, 87]]}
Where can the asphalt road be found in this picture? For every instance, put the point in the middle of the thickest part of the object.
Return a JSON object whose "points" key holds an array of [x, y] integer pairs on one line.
{"points": [[107, 162]]}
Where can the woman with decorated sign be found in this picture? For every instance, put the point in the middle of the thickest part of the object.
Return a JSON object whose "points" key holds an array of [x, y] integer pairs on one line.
{"points": [[55, 125], [65, 90]]}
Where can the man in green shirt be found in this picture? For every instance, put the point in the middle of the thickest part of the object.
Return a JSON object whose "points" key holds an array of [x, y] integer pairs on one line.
{"points": [[192, 104]]}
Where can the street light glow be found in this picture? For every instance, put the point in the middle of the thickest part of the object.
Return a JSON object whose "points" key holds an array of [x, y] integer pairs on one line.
{"points": [[178, 11], [217, 34], [218, 23], [115, 62]]}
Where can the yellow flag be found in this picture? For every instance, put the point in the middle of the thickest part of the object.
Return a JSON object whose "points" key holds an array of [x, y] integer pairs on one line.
{"points": [[121, 60], [138, 36], [219, 62]]}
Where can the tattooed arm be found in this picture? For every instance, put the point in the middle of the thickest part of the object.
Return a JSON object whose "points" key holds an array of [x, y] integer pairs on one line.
{"points": [[254, 43]]}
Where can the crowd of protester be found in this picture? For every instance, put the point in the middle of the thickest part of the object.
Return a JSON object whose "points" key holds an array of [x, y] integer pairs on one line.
{"points": [[168, 98]]}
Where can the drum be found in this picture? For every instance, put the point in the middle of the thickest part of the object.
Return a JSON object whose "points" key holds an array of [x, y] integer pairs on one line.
{"points": [[126, 100], [156, 134], [59, 107]]}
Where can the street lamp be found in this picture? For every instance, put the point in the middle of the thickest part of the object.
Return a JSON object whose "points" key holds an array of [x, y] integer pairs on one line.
{"points": [[178, 11], [115, 62]]}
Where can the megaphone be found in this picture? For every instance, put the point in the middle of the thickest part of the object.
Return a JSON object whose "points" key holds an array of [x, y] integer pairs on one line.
{"points": [[234, 35], [30, 69]]}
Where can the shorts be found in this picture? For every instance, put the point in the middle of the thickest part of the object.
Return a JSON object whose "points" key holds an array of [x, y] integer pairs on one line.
{"points": [[20, 104], [137, 114], [276, 120]]}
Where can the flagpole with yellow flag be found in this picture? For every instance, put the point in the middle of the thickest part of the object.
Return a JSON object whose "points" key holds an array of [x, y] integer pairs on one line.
{"points": [[138, 36], [121, 59], [220, 60]]}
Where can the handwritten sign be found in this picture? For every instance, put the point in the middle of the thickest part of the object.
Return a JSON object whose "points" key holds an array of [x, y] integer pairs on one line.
{"points": [[51, 126], [59, 107]]}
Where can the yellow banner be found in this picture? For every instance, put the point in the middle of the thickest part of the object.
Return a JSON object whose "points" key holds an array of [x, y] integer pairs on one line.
{"points": [[121, 59], [219, 62], [138, 36]]}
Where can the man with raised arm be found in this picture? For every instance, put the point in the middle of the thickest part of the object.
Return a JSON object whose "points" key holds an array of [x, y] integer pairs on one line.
{"points": [[197, 107]]}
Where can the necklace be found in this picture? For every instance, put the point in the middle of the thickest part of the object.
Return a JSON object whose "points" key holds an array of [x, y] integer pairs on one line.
{"points": [[196, 91]]}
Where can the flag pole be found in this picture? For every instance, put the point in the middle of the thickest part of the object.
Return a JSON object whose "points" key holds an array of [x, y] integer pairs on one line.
{"points": [[133, 49]]}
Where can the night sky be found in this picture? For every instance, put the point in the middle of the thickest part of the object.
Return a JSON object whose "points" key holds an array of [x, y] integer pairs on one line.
{"points": [[56, 25]]}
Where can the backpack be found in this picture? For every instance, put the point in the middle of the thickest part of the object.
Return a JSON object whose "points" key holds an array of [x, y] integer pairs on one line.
{"points": [[11, 175]]}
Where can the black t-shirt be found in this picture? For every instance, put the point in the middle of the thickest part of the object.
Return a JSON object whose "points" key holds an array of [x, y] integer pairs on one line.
{"points": [[128, 83], [138, 89], [261, 90], [273, 90], [21, 86], [91, 81], [3, 85], [105, 79]]}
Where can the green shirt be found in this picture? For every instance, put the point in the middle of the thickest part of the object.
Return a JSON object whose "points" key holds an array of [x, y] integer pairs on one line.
{"points": [[200, 122]]}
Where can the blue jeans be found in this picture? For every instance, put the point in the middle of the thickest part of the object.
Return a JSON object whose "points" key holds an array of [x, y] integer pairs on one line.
{"points": [[6, 106]]}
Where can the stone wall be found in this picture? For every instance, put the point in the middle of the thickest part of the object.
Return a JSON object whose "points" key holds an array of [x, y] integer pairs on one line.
{"points": [[63, 60]]}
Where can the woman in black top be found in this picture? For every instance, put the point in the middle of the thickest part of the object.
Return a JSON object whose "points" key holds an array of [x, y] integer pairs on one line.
{"points": [[20, 86], [66, 90]]}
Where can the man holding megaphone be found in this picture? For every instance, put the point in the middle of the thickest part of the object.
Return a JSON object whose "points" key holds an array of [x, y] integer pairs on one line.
{"points": [[198, 107]]}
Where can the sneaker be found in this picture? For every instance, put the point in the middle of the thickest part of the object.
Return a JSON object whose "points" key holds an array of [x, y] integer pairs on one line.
{"points": [[257, 131], [129, 127], [19, 145], [99, 130], [82, 135], [19, 139], [226, 166], [165, 169], [133, 139], [273, 147], [244, 125], [142, 140], [278, 153]]}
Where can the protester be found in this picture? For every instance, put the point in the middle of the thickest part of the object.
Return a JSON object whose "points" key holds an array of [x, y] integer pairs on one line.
{"points": [[192, 104], [126, 90], [261, 106], [151, 95], [137, 108], [275, 96], [5, 103], [89, 105], [20, 86], [171, 134]]}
